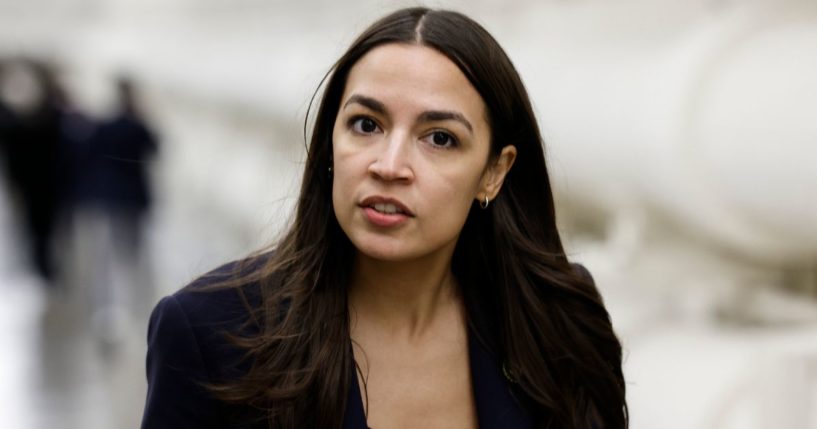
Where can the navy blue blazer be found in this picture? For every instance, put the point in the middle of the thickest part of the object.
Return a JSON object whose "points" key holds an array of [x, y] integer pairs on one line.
{"points": [[186, 347]]}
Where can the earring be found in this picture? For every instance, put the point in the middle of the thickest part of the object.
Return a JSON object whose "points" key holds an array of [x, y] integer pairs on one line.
{"points": [[484, 204], [331, 162]]}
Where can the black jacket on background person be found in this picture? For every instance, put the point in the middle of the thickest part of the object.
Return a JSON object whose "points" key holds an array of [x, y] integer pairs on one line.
{"points": [[115, 169]]}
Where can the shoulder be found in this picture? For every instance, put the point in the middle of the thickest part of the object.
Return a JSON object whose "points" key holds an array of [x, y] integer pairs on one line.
{"points": [[190, 347], [201, 318], [582, 272], [221, 297]]}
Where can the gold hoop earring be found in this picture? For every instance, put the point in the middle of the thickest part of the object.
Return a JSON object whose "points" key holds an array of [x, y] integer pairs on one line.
{"points": [[484, 204]]}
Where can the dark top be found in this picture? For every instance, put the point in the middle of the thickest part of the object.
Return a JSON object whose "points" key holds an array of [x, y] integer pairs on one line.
{"points": [[115, 169], [29, 144], [186, 346]]}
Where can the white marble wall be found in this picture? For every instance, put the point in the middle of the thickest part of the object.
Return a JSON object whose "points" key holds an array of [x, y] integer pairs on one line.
{"points": [[679, 139]]}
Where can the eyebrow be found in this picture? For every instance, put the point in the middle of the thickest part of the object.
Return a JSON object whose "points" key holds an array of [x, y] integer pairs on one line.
{"points": [[427, 116], [368, 102], [442, 115]]}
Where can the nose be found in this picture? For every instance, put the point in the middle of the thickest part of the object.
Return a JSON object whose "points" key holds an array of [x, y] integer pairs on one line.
{"points": [[392, 159]]}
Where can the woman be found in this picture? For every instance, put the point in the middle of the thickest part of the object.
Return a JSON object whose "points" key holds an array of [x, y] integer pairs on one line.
{"points": [[422, 283]]}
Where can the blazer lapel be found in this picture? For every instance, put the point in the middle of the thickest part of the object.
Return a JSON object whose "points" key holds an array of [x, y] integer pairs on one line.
{"points": [[496, 407], [354, 418]]}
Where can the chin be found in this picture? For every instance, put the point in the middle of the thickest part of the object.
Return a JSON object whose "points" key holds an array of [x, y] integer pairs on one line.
{"points": [[390, 252]]}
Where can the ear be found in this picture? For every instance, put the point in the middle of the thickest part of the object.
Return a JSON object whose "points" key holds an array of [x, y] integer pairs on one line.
{"points": [[495, 173]]}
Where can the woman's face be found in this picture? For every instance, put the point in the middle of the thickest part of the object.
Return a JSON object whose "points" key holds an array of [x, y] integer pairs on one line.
{"points": [[411, 151]]}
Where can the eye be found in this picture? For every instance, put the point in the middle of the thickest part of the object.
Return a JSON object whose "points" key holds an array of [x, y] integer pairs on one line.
{"points": [[442, 140], [363, 125]]}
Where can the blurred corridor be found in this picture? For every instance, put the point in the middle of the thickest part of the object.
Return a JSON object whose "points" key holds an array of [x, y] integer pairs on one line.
{"points": [[680, 140], [56, 369], [54, 373]]}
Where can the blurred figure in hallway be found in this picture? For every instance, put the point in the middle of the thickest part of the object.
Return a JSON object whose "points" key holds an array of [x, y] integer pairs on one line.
{"points": [[29, 139], [114, 197]]}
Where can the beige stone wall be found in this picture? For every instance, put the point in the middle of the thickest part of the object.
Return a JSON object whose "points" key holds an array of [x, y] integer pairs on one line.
{"points": [[679, 134]]}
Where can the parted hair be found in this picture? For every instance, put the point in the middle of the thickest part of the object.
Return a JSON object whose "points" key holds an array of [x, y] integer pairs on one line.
{"points": [[540, 317]]}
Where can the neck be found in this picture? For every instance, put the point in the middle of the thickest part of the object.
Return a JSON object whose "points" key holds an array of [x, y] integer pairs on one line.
{"points": [[404, 297]]}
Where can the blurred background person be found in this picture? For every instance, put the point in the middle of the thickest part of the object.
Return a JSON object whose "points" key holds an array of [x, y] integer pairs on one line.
{"points": [[113, 199], [29, 135]]}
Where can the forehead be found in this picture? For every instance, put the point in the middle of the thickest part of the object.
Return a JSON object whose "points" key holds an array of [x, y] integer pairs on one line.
{"points": [[414, 76]]}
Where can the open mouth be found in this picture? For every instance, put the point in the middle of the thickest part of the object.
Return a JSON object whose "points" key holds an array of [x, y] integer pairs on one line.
{"points": [[387, 208]]}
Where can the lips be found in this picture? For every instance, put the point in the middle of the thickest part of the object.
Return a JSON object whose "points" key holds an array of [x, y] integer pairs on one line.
{"points": [[384, 212], [386, 206]]}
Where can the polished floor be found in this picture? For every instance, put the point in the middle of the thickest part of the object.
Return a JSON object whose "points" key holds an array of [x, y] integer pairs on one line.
{"points": [[54, 371], [64, 365]]}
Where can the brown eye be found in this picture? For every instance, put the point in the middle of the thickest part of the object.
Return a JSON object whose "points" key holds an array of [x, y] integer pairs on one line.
{"points": [[442, 139], [364, 125]]}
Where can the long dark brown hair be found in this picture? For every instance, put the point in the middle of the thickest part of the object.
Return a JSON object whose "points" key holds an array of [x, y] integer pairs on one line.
{"points": [[541, 318]]}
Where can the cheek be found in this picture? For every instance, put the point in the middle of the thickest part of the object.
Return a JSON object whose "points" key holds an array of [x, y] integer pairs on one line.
{"points": [[345, 171], [449, 198]]}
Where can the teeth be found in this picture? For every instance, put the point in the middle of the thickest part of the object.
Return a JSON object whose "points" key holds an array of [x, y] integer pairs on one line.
{"points": [[386, 208]]}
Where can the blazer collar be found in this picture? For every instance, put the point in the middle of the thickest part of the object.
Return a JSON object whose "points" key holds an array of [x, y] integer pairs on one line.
{"points": [[496, 406]]}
